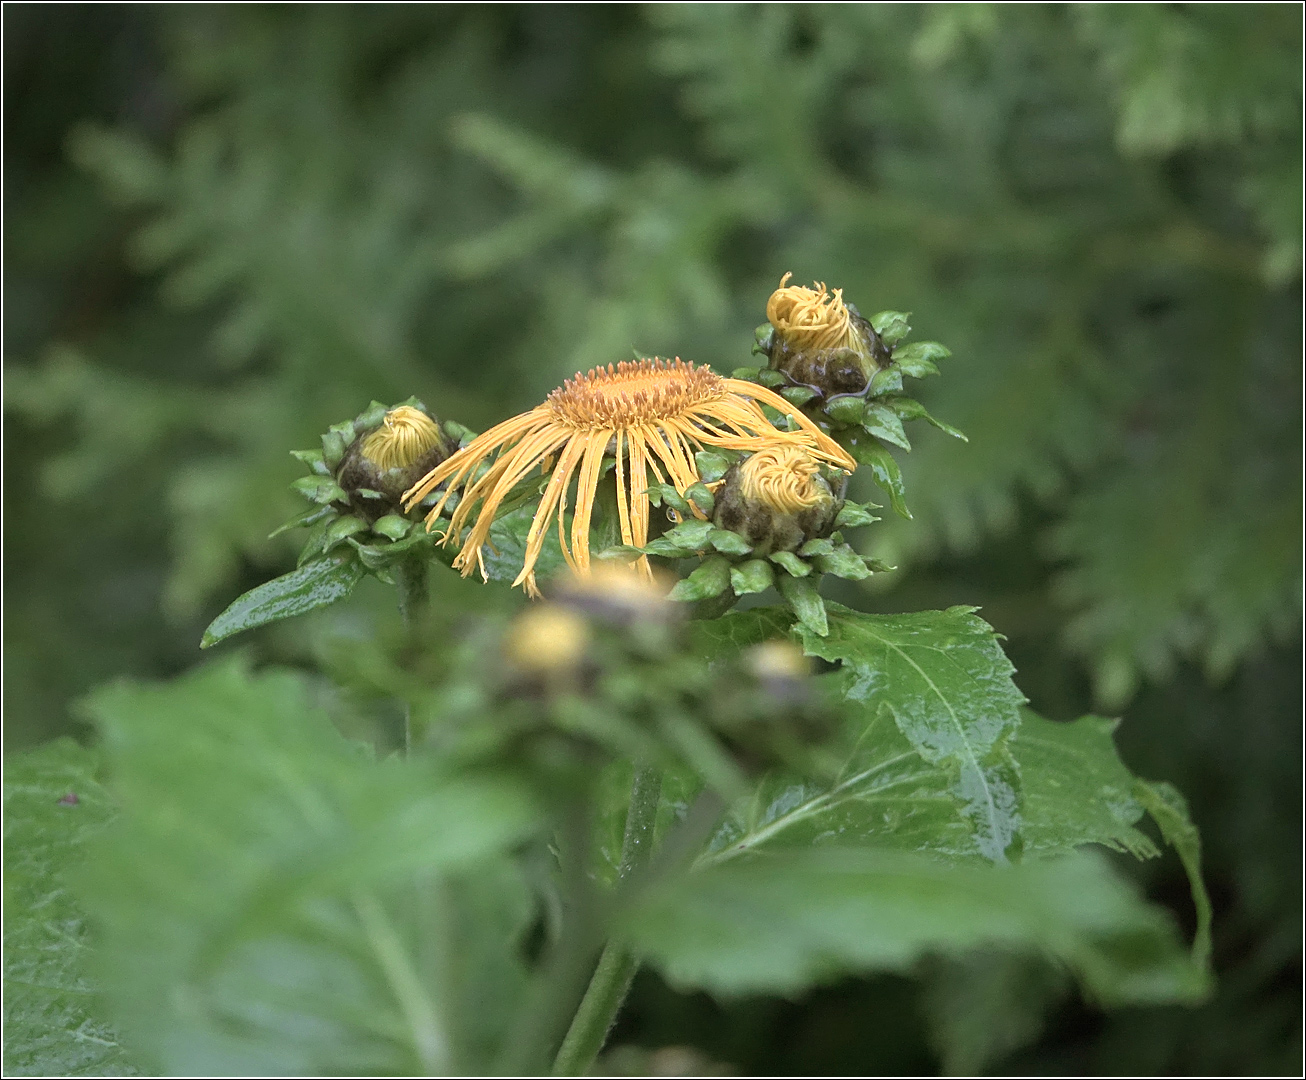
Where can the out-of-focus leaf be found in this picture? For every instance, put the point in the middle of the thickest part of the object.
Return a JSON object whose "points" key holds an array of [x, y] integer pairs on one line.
{"points": [[779, 924], [982, 1005], [55, 809], [314, 585], [738, 629], [272, 899]]}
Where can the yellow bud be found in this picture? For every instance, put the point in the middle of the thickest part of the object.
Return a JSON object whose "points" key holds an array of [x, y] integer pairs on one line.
{"points": [[546, 638]]}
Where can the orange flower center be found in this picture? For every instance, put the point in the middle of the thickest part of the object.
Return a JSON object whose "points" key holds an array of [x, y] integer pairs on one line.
{"points": [[631, 394]]}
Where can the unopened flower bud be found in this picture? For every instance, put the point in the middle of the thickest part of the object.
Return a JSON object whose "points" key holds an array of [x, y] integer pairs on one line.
{"points": [[389, 459], [776, 499], [821, 342]]}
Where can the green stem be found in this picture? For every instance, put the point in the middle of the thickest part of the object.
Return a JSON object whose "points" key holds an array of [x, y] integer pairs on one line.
{"points": [[414, 595], [616, 967]]}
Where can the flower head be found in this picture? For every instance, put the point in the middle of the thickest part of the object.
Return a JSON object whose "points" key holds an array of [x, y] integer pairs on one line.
{"points": [[387, 456], [783, 478], [811, 318], [405, 435], [650, 416], [820, 342], [776, 499]]}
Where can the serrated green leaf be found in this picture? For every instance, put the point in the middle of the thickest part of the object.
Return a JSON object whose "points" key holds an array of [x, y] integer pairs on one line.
{"points": [[948, 685], [314, 585], [710, 579], [711, 465], [307, 886], [729, 543], [1076, 789], [918, 358], [843, 562], [321, 489], [754, 576], [1169, 809], [801, 594], [884, 469], [793, 565], [884, 793], [886, 381], [892, 326], [853, 515], [392, 526], [884, 424], [779, 924], [55, 809]]}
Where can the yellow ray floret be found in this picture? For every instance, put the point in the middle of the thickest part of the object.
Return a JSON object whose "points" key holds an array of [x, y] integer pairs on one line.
{"points": [[785, 478], [405, 435], [650, 415], [811, 318]]}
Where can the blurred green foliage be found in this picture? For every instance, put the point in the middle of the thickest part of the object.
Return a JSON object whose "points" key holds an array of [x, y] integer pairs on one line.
{"points": [[229, 227]]}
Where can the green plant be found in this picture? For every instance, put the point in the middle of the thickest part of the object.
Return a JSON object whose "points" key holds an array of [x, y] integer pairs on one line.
{"points": [[597, 782]]}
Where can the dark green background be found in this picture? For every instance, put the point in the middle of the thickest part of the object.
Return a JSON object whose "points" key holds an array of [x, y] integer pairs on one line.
{"points": [[228, 227]]}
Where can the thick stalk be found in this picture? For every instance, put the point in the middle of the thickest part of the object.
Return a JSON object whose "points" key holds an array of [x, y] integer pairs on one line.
{"points": [[616, 967], [410, 579]]}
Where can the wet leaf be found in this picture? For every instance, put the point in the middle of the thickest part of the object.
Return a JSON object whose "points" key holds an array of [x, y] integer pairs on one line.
{"points": [[314, 585], [947, 684], [801, 595], [321, 489], [884, 470]]}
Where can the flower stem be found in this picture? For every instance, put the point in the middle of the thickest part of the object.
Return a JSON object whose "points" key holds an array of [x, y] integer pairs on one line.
{"points": [[616, 967], [410, 579]]}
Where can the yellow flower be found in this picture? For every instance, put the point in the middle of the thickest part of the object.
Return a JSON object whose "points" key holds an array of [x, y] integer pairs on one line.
{"points": [[404, 436], [785, 478], [650, 416], [810, 319]]}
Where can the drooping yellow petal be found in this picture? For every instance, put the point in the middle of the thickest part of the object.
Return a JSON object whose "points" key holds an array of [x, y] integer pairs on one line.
{"points": [[654, 413]]}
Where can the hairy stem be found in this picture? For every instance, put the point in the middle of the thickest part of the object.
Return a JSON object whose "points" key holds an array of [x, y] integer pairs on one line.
{"points": [[616, 967]]}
